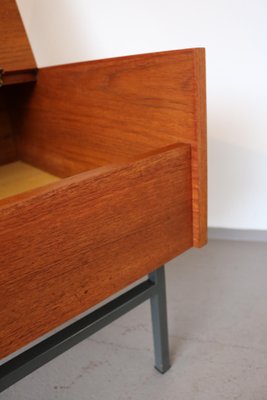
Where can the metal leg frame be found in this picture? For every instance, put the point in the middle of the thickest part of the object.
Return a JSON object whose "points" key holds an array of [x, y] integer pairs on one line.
{"points": [[159, 321], [38, 355]]}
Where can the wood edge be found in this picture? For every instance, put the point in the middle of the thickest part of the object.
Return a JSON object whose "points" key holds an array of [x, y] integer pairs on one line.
{"points": [[161, 150], [121, 59], [19, 76], [200, 198], [61, 184]]}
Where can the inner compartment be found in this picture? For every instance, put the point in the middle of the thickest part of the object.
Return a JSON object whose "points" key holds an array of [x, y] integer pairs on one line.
{"points": [[79, 117], [33, 156], [16, 176], [44, 142]]}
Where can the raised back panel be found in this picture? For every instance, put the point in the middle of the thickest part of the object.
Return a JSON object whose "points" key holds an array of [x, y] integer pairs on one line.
{"points": [[83, 115], [15, 51]]}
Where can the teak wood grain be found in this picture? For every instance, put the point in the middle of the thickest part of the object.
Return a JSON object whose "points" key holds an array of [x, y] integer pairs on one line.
{"points": [[139, 123], [88, 236], [85, 115], [16, 57]]}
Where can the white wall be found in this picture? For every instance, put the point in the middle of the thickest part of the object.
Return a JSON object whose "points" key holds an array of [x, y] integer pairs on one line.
{"points": [[234, 33]]}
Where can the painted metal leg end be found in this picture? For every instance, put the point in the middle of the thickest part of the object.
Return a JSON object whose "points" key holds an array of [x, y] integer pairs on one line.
{"points": [[159, 321], [162, 368]]}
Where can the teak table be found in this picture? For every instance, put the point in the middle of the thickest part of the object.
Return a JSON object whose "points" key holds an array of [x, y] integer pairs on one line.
{"points": [[102, 181]]}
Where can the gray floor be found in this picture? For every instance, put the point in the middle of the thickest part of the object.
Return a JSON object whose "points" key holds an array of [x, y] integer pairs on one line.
{"points": [[217, 304]]}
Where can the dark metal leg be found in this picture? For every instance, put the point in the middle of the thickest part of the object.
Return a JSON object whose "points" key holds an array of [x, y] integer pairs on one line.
{"points": [[38, 355], [159, 321]]}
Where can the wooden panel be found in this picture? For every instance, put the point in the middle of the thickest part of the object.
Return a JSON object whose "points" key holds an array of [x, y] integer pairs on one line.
{"points": [[7, 142], [15, 50], [107, 111], [65, 249], [84, 115], [7, 78], [199, 154], [18, 177]]}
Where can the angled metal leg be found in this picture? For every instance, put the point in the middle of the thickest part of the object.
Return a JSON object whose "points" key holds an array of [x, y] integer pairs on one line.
{"points": [[159, 321]]}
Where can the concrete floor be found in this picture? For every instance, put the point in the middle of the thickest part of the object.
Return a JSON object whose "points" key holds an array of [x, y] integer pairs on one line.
{"points": [[217, 306]]}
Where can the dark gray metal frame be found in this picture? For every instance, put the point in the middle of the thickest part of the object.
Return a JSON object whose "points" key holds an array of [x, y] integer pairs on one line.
{"points": [[38, 355]]}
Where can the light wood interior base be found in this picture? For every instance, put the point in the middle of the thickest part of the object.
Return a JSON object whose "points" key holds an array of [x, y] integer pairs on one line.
{"points": [[18, 177]]}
